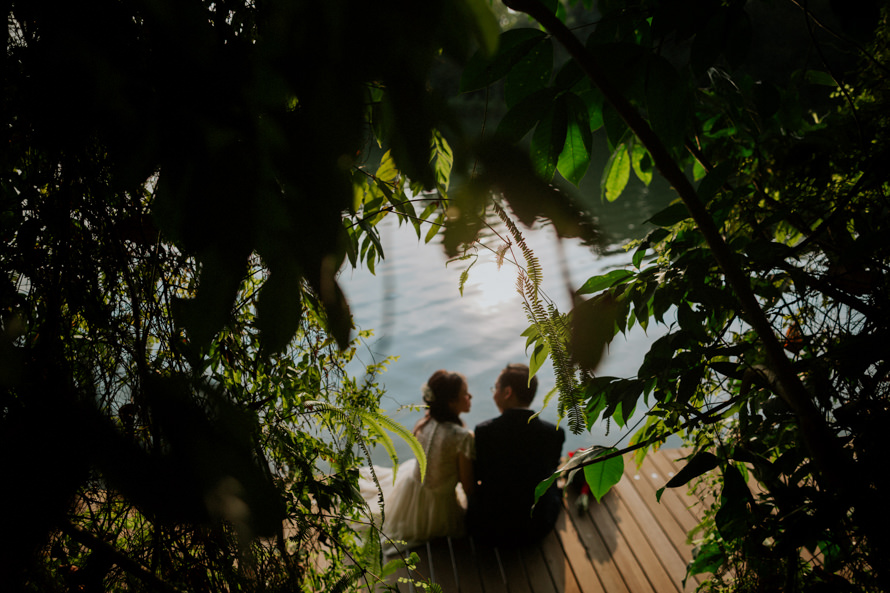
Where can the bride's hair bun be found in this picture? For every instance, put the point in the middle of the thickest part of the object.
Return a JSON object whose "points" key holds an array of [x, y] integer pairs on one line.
{"points": [[427, 393]]}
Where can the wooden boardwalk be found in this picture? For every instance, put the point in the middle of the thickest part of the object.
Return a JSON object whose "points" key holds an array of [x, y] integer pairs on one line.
{"points": [[626, 543]]}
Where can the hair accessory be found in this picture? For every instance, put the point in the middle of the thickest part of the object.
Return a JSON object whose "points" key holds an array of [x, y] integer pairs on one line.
{"points": [[428, 395]]}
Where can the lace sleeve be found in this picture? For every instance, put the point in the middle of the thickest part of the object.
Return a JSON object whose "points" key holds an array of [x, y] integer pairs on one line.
{"points": [[467, 445]]}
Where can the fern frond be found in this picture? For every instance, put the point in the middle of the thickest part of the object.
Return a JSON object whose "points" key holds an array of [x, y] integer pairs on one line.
{"points": [[346, 582], [403, 432], [551, 326], [501, 252]]}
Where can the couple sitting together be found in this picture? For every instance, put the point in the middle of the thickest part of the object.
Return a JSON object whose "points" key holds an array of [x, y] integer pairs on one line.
{"points": [[482, 483]]}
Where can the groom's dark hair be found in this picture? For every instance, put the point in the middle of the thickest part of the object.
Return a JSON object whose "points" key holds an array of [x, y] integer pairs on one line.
{"points": [[515, 376]]}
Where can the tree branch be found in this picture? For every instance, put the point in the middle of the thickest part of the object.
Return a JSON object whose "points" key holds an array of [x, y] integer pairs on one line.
{"points": [[820, 443]]}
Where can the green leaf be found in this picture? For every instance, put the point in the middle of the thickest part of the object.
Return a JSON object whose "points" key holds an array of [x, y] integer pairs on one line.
{"points": [[700, 464], [708, 558], [593, 327], [670, 215], [593, 98], [279, 307], [667, 101], [642, 163], [523, 116], [442, 154], [575, 156], [548, 141], [616, 173], [714, 180], [434, 228], [602, 475], [543, 487], [598, 283], [513, 45], [375, 419], [820, 78], [387, 171], [530, 74], [616, 128], [538, 358], [372, 236], [485, 24]]}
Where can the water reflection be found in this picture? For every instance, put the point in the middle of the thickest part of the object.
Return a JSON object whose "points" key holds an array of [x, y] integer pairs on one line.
{"points": [[416, 309]]}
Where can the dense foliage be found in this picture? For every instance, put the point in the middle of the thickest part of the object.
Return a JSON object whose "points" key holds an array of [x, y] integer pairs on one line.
{"points": [[182, 181], [181, 184], [770, 269]]}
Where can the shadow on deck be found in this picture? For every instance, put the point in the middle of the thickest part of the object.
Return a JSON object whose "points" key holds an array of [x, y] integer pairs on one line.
{"points": [[626, 543]]}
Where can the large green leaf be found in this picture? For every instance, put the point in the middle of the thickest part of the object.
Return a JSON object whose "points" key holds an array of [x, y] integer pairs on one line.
{"points": [[670, 215], [593, 327], [702, 463], [538, 358], [575, 156], [529, 74], [642, 163], [483, 70], [593, 98], [548, 141], [616, 173], [667, 100], [602, 475], [523, 116], [607, 280], [279, 307], [484, 23]]}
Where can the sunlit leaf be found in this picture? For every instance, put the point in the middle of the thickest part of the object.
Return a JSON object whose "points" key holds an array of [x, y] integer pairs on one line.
{"points": [[616, 173], [607, 280], [575, 156], [602, 475], [485, 25], [642, 163], [387, 171], [538, 358]]}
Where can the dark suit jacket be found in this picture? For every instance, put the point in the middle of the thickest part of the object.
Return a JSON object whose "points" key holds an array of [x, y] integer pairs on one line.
{"points": [[512, 456]]}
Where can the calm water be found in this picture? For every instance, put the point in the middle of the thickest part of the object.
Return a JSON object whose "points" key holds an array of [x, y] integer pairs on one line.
{"points": [[414, 306]]}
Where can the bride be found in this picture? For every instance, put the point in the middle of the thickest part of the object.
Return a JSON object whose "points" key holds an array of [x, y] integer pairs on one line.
{"points": [[417, 511]]}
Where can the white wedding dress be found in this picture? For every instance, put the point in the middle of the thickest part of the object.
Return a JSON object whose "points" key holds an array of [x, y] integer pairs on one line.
{"points": [[416, 512]]}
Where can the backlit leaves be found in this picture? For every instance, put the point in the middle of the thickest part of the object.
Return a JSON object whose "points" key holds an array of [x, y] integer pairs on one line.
{"points": [[616, 173], [575, 156]]}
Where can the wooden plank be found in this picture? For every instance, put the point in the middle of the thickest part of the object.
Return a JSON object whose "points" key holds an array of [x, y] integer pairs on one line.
{"points": [[560, 570], [692, 504], [597, 551], [493, 580], [442, 564], [664, 460], [673, 559], [647, 555], [514, 569], [669, 524], [677, 503], [539, 578], [619, 549], [468, 580], [576, 554]]}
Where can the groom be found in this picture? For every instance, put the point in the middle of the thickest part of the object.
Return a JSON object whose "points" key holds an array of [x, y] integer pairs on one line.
{"points": [[513, 454]]}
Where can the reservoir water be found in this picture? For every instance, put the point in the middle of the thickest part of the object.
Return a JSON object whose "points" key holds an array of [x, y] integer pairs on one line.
{"points": [[416, 310]]}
